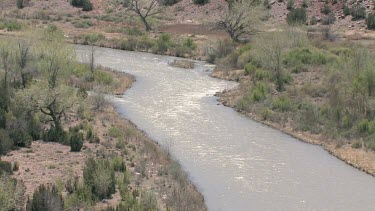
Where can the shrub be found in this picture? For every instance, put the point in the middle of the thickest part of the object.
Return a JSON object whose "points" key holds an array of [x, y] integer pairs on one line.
{"points": [[326, 9], [12, 193], [99, 176], [290, 4], [305, 55], [115, 132], [19, 4], [83, 24], [371, 144], [5, 167], [249, 69], [222, 49], [56, 135], [297, 16], [169, 2], [16, 166], [21, 137], [357, 145], [86, 5], [163, 43], [201, 2], [370, 21], [329, 19], [346, 10], [103, 78], [261, 74], [282, 103], [76, 142], [118, 164], [258, 93], [5, 142], [45, 198], [358, 12], [313, 20], [305, 4]]}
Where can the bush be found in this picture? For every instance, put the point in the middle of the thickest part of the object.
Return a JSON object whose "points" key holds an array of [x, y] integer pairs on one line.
{"points": [[5, 167], [346, 10], [297, 16], [326, 9], [370, 21], [290, 5], [250, 69], [16, 166], [357, 145], [358, 12], [258, 93], [45, 198], [99, 176], [86, 5], [5, 142], [76, 142], [83, 24], [118, 164], [329, 19], [21, 138], [56, 135], [305, 4], [313, 20], [115, 132], [304, 56], [169, 2], [103, 78], [201, 2], [19, 4], [162, 44], [282, 103], [12, 193]]}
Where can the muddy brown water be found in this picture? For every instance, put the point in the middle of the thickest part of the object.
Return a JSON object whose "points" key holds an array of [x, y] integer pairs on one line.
{"points": [[236, 163]]}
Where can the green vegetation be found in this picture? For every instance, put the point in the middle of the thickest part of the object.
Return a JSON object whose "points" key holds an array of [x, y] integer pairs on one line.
{"points": [[336, 103], [86, 5], [370, 21], [201, 2], [297, 16], [45, 198]]}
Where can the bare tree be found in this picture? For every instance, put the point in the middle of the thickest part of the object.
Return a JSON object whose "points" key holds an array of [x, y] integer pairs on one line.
{"points": [[272, 46], [243, 18], [144, 9]]}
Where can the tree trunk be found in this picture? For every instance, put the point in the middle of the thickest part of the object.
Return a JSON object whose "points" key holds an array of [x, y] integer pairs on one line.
{"points": [[147, 25]]}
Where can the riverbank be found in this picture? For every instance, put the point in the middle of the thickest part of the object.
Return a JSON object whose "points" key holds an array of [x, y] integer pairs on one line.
{"points": [[361, 159], [149, 166]]}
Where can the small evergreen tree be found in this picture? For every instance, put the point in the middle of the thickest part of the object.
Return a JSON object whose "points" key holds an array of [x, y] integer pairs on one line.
{"points": [[19, 4], [76, 142], [297, 16], [86, 5], [45, 198]]}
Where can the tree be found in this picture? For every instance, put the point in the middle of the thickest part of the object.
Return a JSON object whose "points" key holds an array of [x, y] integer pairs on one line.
{"points": [[54, 103], [272, 46], [144, 9], [243, 18]]}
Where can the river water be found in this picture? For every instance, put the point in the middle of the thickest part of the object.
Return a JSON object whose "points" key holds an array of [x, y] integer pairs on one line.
{"points": [[236, 163]]}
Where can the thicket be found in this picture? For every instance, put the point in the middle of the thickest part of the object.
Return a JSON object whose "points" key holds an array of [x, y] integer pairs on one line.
{"points": [[346, 93]]}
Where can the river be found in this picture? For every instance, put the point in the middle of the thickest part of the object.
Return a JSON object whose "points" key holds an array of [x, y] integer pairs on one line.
{"points": [[237, 163]]}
